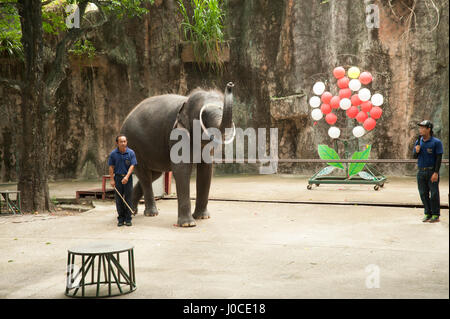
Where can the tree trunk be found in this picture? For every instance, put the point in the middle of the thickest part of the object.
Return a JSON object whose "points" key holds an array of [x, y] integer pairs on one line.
{"points": [[33, 155]]}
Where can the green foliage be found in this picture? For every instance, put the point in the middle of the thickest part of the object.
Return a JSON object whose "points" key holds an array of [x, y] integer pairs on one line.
{"points": [[127, 8], [10, 32], [326, 152], [205, 29], [53, 22], [83, 48], [355, 168]]}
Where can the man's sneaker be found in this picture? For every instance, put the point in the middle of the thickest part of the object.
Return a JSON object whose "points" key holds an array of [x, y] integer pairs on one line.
{"points": [[128, 223], [426, 218], [434, 219], [120, 224]]}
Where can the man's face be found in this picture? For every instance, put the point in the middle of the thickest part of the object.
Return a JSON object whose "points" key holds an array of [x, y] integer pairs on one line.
{"points": [[122, 142], [423, 130]]}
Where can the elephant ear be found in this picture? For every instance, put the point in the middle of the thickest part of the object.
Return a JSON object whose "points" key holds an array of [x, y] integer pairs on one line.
{"points": [[182, 120]]}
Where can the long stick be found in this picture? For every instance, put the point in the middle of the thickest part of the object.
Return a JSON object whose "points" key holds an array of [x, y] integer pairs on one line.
{"points": [[132, 212]]}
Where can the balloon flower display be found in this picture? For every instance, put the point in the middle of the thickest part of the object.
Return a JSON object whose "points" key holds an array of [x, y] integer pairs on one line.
{"points": [[354, 99]]}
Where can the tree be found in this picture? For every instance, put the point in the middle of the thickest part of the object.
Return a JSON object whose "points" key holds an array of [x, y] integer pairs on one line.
{"points": [[37, 88]]}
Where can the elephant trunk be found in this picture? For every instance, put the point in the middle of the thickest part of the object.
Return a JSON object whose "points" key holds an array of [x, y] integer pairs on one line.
{"points": [[227, 115]]}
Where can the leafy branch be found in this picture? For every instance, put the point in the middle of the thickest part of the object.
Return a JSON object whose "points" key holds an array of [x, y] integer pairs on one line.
{"points": [[204, 30]]}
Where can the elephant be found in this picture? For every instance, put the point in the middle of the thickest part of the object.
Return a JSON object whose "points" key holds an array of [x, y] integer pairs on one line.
{"points": [[148, 128]]}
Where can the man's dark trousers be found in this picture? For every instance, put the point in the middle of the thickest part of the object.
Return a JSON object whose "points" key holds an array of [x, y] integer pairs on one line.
{"points": [[431, 203], [125, 190]]}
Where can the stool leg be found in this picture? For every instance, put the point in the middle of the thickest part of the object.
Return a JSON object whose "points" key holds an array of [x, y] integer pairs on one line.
{"points": [[69, 276], [99, 273], [109, 276], [83, 274], [129, 270], [93, 271], [109, 257], [132, 264], [104, 267], [118, 260]]}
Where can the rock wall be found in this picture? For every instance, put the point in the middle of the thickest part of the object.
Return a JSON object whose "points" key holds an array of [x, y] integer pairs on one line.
{"points": [[279, 49]]}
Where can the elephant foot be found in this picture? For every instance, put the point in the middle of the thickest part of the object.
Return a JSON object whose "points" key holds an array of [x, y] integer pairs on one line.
{"points": [[151, 212], [201, 215], [186, 222]]}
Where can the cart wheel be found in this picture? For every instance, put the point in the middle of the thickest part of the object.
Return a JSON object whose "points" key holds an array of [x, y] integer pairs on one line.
{"points": [[382, 185], [309, 186], [376, 187], [317, 185]]}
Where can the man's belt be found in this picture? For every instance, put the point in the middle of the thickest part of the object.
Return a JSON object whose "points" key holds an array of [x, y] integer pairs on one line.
{"points": [[425, 168]]}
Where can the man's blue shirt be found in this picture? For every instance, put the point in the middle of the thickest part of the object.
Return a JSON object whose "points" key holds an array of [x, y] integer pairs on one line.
{"points": [[122, 161], [428, 151]]}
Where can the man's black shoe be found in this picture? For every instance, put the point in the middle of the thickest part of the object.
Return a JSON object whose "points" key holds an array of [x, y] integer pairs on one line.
{"points": [[120, 224], [128, 223]]}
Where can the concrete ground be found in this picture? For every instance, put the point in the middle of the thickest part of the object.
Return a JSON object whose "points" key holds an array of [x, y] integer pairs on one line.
{"points": [[247, 249]]}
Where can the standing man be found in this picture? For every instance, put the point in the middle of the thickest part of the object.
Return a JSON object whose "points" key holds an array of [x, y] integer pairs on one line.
{"points": [[428, 150], [121, 165]]}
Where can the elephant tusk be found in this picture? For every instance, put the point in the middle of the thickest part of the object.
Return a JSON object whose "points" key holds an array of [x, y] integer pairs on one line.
{"points": [[205, 130]]}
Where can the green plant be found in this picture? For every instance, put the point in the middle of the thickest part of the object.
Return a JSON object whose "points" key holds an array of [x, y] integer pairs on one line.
{"points": [[10, 32], [83, 48], [205, 30]]}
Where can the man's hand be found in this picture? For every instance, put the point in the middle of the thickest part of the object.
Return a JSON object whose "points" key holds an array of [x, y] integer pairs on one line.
{"points": [[417, 148], [112, 182], [125, 180], [434, 177]]}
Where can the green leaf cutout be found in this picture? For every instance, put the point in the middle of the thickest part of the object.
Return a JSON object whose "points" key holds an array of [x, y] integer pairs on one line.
{"points": [[326, 152], [355, 168]]}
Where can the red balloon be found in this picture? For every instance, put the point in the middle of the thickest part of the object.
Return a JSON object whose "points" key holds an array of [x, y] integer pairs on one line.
{"points": [[325, 108], [369, 124], [361, 117], [339, 72], [355, 100], [366, 106], [365, 78], [326, 97], [352, 112], [345, 93], [335, 102], [343, 82], [331, 118], [376, 112]]}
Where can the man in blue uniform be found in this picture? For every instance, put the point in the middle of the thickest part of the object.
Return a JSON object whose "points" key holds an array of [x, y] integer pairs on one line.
{"points": [[121, 165], [428, 150]]}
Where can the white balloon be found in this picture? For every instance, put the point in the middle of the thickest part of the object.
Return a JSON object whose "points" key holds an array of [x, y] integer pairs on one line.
{"points": [[314, 101], [358, 131], [319, 88], [334, 132], [354, 85], [316, 114], [364, 94], [377, 99], [345, 104]]}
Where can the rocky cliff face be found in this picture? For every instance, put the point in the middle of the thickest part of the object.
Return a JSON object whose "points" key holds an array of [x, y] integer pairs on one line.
{"points": [[279, 49]]}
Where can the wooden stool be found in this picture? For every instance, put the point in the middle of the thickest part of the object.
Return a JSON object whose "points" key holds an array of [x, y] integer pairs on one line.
{"points": [[108, 257]]}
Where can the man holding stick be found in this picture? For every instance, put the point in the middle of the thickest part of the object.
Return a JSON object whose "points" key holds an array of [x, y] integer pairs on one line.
{"points": [[122, 161]]}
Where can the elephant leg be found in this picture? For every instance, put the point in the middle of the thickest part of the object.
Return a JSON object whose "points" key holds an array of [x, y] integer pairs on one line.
{"points": [[204, 173], [182, 174], [145, 180]]}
